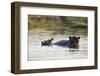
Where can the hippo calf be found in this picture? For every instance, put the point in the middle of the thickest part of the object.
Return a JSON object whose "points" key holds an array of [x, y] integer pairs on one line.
{"points": [[47, 42], [73, 42]]}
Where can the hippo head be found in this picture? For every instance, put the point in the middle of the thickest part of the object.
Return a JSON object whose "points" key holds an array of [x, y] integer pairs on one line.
{"points": [[74, 42], [47, 42]]}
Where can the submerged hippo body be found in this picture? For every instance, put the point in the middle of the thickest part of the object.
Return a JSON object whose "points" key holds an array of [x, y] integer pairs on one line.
{"points": [[73, 42], [62, 43]]}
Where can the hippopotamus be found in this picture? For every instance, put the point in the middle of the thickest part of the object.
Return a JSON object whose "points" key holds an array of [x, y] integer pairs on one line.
{"points": [[73, 42], [47, 42]]}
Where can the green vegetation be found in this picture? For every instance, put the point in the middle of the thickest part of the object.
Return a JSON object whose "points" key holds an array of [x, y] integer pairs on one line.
{"points": [[79, 27], [59, 24]]}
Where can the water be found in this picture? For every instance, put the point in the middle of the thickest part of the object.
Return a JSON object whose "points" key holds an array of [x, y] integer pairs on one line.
{"points": [[38, 52]]}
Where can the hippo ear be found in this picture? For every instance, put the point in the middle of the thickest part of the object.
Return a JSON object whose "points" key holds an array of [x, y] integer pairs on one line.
{"points": [[78, 37], [69, 37], [51, 38]]}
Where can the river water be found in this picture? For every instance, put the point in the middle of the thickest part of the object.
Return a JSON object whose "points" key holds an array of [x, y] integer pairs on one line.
{"points": [[38, 52]]}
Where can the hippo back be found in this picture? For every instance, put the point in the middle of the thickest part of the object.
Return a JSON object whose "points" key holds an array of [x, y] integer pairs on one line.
{"points": [[62, 43]]}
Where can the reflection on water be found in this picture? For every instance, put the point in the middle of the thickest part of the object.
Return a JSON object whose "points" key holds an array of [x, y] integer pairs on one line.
{"points": [[38, 52]]}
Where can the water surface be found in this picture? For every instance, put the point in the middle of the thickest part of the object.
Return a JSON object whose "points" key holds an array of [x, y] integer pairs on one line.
{"points": [[38, 52]]}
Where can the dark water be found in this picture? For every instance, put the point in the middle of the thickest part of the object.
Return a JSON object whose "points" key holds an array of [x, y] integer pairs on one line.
{"points": [[38, 52]]}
